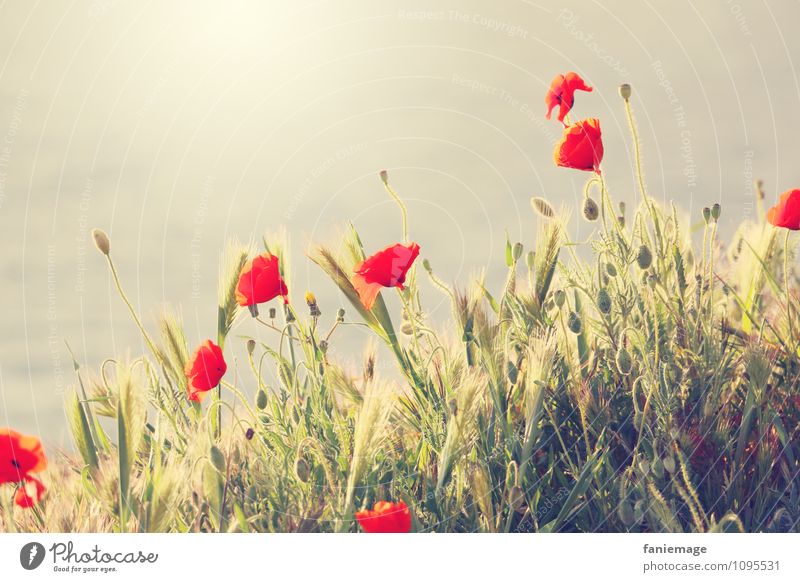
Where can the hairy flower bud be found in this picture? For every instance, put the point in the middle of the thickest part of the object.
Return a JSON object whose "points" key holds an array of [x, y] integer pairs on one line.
{"points": [[604, 301], [543, 207], [716, 210], [251, 346], [625, 91], [574, 323], [623, 361], [261, 400], [706, 214], [101, 241], [644, 258], [560, 297], [301, 469], [590, 209], [611, 270]]}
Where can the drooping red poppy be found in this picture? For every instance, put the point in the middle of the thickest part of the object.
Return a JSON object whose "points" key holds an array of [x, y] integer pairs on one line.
{"points": [[385, 517], [386, 268], [562, 93], [581, 146], [786, 213], [29, 493], [19, 455], [260, 281], [204, 370]]}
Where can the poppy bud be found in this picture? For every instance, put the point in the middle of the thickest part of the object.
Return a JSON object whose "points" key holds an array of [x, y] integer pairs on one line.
{"points": [[560, 298], [622, 208], [516, 497], [249, 433], [251, 346], [426, 264], [323, 346], [604, 301], [611, 270], [625, 91], [590, 209], [261, 400], [340, 315], [530, 260], [625, 512], [384, 176], [517, 252], [644, 258], [623, 361], [652, 279], [218, 459], [716, 210], [706, 214], [621, 221], [272, 313], [301, 470], [406, 328], [101, 241], [542, 206], [669, 464], [574, 323]]}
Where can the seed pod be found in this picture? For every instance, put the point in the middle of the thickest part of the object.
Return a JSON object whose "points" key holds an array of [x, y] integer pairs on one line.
{"points": [[272, 313], [621, 221], [516, 497], [644, 258], [249, 434], [611, 270], [426, 264], [625, 91], [590, 209], [340, 315], [604, 301], [251, 346], [706, 214], [542, 206], [623, 361], [574, 323], [716, 210], [652, 279], [261, 400], [560, 298], [406, 328]]}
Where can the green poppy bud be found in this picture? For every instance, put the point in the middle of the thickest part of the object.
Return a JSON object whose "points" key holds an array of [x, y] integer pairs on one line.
{"points": [[623, 361], [574, 323], [644, 258], [590, 209], [517, 252], [625, 91], [218, 459], [706, 214], [625, 513], [251, 346], [715, 211], [261, 400], [604, 301], [611, 270], [301, 469], [560, 297]]}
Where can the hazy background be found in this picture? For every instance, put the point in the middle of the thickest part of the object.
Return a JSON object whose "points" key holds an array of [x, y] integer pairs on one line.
{"points": [[176, 125]]}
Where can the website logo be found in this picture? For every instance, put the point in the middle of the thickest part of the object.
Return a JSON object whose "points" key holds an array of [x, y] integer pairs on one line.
{"points": [[32, 555]]}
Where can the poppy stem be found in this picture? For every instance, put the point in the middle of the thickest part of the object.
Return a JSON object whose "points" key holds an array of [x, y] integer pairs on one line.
{"points": [[402, 207], [788, 295]]}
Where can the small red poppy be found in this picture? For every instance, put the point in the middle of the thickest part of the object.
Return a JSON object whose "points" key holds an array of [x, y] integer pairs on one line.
{"points": [[786, 213], [581, 146], [260, 281], [29, 493], [562, 93], [205, 369], [385, 517], [19, 455], [386, 268]]}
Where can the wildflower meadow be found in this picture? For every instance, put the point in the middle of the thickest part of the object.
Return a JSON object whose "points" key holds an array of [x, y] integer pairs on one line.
{"points": [[644, 379]]}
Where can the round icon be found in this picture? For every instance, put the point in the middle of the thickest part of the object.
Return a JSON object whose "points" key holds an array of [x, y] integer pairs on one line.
{"points": [[31, 555]]}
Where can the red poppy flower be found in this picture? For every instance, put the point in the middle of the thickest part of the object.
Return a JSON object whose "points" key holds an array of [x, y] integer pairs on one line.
{"points": [[561, 93], [29, 493], [786, 213], [581, 146], [386, 268], [260, 281], [385, 517], [205, 369], [19, 455]]}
